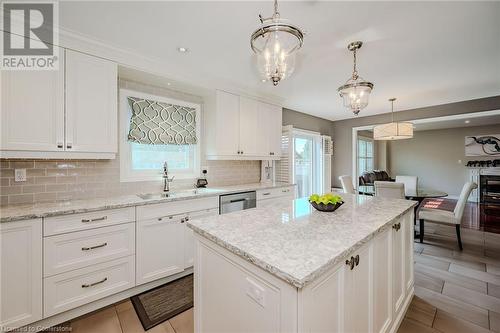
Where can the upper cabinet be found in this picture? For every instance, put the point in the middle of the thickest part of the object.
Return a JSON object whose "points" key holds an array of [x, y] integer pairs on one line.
{"points": [[68, 113], [32, 110], [243, 128], [91, 98]]}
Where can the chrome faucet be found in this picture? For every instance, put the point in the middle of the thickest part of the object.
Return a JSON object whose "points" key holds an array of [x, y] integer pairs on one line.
{"points": [[166, 179]]}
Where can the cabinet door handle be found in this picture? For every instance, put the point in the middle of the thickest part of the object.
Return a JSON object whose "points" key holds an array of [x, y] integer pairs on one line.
{"points": [[267, 193], [88, 285], [164, 217], [350, 263], [69, 145], [94, 247], [356, 260], [397, 226], [60, 145], [95, 220]]}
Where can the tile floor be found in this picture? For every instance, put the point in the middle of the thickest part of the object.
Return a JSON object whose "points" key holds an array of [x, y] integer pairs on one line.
{"points": [[121, 318], [454, 291]]}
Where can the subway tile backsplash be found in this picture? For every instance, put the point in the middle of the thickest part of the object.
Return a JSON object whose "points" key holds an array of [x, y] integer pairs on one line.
{"points": [[57, 180]]}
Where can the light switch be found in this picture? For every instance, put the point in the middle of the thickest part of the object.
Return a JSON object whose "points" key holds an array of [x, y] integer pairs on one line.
{"points": [[19, 175], [256, 292]]}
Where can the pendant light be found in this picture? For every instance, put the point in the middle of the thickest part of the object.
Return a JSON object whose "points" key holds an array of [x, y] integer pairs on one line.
{"points": [[356, 91], [276, 43], [393, 130]]}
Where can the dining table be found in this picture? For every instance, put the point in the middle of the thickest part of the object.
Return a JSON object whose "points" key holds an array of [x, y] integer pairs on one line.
{"points": [[419, 195]]}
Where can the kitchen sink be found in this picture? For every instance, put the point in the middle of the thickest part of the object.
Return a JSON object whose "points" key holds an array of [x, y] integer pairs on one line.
{"points": [[177, 194]]}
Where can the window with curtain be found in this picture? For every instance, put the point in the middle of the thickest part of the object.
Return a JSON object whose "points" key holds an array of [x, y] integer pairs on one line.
{"points": [[155, 130], [365, 155]]}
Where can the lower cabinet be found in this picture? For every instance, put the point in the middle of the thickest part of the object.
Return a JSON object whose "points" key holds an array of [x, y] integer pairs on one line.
{"points": [[189, 235], [357, 288], [20, 273], [78, 287], [382, 272], [366, 292], [398, 265], [160, 251], [165, 245]]}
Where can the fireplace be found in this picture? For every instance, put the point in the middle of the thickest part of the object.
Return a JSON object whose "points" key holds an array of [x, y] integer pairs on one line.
{"points": [[490, 189]]}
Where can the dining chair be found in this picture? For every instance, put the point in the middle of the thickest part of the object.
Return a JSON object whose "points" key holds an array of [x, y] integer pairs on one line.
{"points": [[410, 184], [389, 189], [347, 186], [441, 216]]}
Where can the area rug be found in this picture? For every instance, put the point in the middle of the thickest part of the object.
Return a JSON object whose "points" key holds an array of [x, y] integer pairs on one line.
{"points": [[164, 302]]}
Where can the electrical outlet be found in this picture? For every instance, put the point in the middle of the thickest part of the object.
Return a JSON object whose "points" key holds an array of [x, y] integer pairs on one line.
{"points": [[19, 175]]}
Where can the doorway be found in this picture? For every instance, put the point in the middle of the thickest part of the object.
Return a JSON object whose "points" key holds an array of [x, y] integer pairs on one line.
{"points": [[308, 163]]}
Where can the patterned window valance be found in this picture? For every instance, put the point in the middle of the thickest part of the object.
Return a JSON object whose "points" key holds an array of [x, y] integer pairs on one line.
{"points": [[159, 123]]}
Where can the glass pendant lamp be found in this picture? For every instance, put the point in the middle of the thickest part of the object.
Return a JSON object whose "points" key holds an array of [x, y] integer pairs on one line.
{"points": [[356, 91], [276, 43]]}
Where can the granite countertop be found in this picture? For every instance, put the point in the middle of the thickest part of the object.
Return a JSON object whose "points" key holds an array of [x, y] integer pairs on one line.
{"points": [[296, 243], [11, 213]]}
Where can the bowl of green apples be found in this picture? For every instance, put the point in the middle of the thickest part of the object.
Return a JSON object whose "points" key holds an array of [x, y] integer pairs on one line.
{"points": [[327, 202]]}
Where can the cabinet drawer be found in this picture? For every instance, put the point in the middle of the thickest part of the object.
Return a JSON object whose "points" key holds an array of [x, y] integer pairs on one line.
{"points": [[84, 248], [176, 207], [69, 290], [69, 223], [275, 192]]}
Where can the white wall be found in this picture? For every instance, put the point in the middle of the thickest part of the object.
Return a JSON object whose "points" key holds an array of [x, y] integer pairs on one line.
{"points": [[434, 157]]}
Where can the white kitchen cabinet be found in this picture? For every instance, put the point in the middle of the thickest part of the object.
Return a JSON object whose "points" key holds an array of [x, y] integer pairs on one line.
{"points": [[20, 273], [382, 272], [371, 297], [68, 113], [91, 104], [358, 289], [250, 125], [408, 232], [32, 109], [274, 195], [272, 120], [160, 247], [398, 265], [225, 125], [242, 128], [81, 286], [189, 234]]}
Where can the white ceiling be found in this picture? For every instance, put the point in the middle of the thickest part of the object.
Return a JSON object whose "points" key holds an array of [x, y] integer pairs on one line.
{"points": [[423, 53]]}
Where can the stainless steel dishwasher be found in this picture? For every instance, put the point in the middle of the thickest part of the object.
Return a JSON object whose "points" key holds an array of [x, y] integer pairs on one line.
{"points": [[237, 201]]}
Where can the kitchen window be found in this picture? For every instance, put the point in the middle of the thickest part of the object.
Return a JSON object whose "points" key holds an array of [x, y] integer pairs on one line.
{"points": [[365, 155], [154, 130]]}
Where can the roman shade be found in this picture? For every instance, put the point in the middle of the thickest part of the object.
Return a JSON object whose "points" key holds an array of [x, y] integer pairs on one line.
{"points": [[160, 123]]}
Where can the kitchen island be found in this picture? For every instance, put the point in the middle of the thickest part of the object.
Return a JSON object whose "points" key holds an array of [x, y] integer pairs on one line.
{"points": [[288, 268]]}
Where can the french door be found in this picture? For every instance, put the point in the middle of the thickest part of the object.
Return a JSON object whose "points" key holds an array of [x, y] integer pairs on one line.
{"points": [[307, 163]]}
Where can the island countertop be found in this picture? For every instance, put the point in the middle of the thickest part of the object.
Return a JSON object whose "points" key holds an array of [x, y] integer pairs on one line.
{"points": [[296, 243]]}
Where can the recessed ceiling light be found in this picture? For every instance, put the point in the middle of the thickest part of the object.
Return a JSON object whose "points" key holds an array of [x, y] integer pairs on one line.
{"points": [[168, 83], [182, 49], [467, 121], [264, 80]]}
